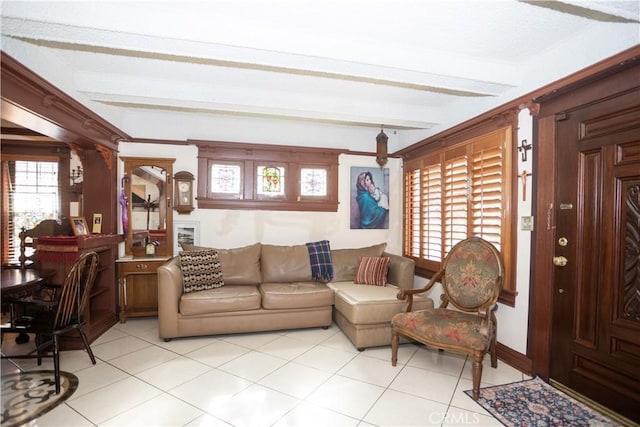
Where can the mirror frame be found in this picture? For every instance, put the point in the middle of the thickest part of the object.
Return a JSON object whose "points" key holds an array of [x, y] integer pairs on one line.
{"points": [[130, 163]]}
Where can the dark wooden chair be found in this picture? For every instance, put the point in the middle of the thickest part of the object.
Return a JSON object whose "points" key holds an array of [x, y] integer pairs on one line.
{"points": [[28, 238], [472, 275], [48, 319]]}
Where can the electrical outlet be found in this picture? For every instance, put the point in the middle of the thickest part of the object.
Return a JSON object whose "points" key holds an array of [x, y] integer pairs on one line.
{"points": [[526, 223]]}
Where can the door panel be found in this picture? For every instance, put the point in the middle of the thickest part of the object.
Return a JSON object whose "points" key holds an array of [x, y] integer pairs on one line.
{"points": [[596, 303]]}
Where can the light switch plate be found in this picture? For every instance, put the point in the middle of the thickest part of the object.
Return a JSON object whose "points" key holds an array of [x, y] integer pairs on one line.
{"points": [[526, 223]]}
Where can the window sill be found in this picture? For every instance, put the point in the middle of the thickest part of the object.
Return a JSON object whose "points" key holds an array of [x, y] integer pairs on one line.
{"points": [[270, 205]]}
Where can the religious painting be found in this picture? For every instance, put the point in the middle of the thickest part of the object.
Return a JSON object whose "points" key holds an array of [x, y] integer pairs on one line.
{"points": [[369, 198]]}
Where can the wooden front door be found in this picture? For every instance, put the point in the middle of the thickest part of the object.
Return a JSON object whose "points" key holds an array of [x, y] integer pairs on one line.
{"points": [[595, 338]]}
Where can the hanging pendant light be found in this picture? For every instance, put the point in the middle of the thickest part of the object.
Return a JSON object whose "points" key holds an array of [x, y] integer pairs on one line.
{"points": [[381, 147]]}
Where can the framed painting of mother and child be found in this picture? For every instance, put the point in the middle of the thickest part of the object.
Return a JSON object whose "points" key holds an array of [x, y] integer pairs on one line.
{"points": [[369, 198]]}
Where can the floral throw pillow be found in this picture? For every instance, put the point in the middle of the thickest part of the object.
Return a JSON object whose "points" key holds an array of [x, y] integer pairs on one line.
{"points": [[201, 270], [372, 271]]}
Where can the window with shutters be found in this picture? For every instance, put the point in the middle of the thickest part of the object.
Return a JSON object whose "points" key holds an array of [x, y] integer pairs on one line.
{"points": [[457, 192]]}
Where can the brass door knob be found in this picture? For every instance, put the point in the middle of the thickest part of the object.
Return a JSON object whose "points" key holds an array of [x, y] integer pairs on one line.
{"points": [[560, 261]]}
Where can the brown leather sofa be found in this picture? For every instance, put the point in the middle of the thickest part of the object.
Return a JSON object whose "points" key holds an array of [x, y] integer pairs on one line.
{"points": [[269, 287]]}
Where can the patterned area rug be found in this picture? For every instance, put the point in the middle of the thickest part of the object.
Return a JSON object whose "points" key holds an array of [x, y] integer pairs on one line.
{"points": [[29, 395], [536, 403]]}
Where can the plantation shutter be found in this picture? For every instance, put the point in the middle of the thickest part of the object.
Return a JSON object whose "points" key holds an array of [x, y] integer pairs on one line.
{"points": [[432, 212], [486, 204], [412, 203], [456, 180], [453, 194]]}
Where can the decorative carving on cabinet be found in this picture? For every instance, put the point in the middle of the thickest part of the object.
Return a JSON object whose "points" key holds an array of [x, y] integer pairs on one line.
{"points": [[631, 283]]}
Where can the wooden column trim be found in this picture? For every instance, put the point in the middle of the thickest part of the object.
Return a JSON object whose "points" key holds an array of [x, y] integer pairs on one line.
{"points": [[30, 101]]}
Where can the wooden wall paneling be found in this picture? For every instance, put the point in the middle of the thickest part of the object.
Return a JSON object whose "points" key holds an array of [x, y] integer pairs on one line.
{"points": [[541, 287]]}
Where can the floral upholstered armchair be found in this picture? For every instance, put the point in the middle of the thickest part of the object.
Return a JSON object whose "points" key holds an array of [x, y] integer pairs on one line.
{"points": [[471, 276]]}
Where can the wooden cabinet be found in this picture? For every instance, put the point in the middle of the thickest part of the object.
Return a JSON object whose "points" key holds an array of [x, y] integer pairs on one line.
{"points": [[138, 286], [59, 252]]}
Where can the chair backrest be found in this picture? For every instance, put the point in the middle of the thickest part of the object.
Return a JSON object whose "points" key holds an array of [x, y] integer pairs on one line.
{"points": [[28, 238], [75, 290], [473, 274]]}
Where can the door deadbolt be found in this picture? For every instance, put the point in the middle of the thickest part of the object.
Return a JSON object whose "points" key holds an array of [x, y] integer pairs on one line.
{"points": [[563, 241], [560, 261]]}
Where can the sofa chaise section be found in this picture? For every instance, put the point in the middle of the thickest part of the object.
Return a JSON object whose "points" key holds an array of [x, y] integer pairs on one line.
{"points": [[364, 312]]}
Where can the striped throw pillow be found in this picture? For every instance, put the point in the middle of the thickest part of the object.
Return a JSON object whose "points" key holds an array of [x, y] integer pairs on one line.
{"points": [[372, 271]]}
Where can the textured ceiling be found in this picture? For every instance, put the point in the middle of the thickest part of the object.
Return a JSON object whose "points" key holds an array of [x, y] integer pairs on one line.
{"points": [[416, 67]]}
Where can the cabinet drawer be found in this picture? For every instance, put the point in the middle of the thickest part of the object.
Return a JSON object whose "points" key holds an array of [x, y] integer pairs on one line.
{"points": [[138, 267]]}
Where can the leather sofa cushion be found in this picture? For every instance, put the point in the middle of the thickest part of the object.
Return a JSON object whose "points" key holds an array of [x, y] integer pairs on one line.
{"points": [[295, 295], [285, 264], [225, 299], [346, 261], [240, 266], [368, 304]]}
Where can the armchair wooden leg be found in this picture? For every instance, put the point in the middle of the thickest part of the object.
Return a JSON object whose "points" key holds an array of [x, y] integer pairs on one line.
{"points": [[494, 354], [476, 373], [493, 347], [395, 339]]}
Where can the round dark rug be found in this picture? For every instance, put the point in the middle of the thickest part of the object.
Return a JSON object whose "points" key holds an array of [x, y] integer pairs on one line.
{"points": [[29, 395]]}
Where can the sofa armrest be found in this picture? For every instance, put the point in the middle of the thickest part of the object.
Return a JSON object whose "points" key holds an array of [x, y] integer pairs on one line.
{"points": [[169, 293], [401, 271]]}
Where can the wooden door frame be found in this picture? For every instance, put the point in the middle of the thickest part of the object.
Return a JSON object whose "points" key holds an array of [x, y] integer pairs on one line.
{"points": [[609, 79]]}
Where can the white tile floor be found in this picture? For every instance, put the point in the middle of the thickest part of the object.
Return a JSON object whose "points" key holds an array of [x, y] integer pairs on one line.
{"points": [[310, 377]]}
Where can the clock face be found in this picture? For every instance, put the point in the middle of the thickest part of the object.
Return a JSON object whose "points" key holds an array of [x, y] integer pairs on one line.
{"points": [[183, 187]]}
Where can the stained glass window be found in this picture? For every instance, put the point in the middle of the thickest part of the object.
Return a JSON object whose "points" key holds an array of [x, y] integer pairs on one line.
{"points": [[313, 182], [254, 176], [225, 179], [270, 180]]}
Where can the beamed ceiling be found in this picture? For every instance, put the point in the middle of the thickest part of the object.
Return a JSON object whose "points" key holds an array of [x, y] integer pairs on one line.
{"points": [[196, 70]]}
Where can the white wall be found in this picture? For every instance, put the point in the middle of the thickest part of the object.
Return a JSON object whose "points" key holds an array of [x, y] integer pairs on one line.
{"points": [[513, 321], [234, 228]]}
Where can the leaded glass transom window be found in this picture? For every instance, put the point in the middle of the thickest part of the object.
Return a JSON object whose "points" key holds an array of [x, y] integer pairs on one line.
{"points": [[313, 182], [270, 180], [269, 177], [226, 179]]}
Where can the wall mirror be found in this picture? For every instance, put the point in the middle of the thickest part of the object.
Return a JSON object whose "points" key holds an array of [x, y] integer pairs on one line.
{"points": [[148, 223]]}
